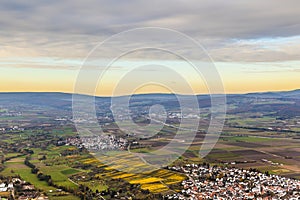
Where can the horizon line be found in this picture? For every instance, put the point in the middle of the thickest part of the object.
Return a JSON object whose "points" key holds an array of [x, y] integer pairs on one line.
{"points": [[153, 93]]}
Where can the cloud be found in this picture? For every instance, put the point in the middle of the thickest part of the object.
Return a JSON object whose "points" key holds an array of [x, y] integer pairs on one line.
{"points": [[227, 29], [242, 19], [258, 50]]}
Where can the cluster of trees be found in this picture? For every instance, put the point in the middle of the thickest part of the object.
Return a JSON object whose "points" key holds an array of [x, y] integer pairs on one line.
{"points": [[35, 170]]}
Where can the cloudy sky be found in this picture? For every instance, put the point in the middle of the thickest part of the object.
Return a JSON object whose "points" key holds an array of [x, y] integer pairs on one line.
{"points": [[255, 45]]}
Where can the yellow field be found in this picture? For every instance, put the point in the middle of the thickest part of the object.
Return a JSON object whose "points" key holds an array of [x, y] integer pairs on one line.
{"points": [[145, 180], [133, 170], [155, 188]]}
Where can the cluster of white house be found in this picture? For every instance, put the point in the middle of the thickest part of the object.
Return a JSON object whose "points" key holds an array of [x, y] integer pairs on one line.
{"points": [[6, 187], [230, 183], [104, 142], [100, 142]]}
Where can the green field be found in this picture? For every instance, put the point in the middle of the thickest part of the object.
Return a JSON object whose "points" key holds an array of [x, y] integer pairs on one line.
{"points": [[19, 168], [59, 176], [95, 185], [69, 171]]}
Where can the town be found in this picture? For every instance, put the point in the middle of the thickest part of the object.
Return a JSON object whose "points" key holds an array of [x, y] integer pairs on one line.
{"points": [[97, 143], [206, 182]]}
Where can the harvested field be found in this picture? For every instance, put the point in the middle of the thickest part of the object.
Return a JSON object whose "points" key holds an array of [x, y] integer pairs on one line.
{"points": [[247, 144], [287, 153]]}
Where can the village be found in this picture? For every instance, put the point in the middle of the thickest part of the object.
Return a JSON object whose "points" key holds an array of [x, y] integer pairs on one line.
{"points": [[206, 182], [95, 143]]}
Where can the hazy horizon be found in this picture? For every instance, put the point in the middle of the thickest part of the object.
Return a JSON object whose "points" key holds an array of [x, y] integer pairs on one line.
{"points": [[154, 93]]}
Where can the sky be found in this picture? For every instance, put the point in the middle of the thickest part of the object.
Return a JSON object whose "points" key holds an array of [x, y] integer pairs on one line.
{"points": [[254, 45]]}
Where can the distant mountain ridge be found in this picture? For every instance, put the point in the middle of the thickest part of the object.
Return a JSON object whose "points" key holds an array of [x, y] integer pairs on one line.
{"points": [[67, 97], [275, 94], [286, 104]]}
